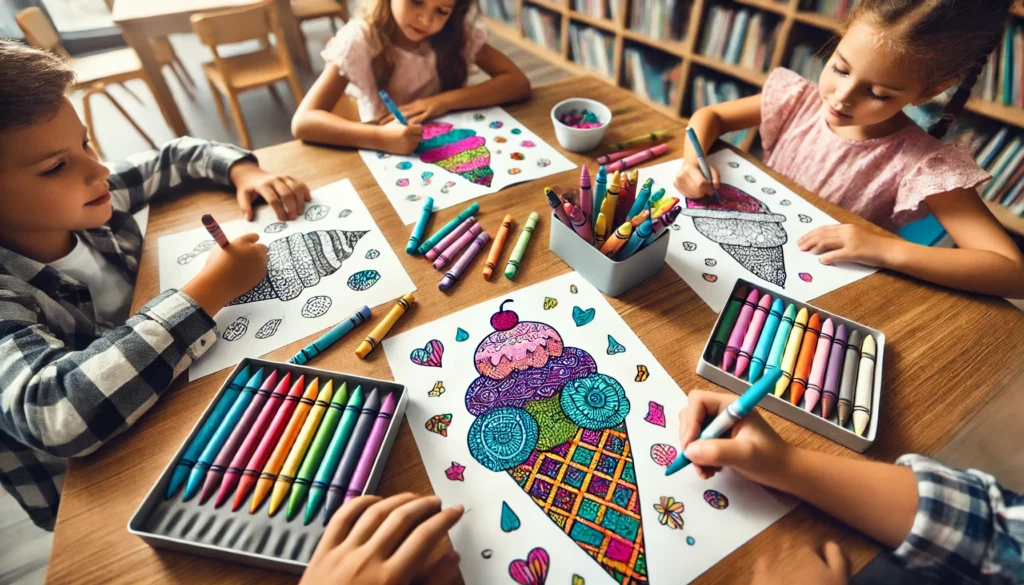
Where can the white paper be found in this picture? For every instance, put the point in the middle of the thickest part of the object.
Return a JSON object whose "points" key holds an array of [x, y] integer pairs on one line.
{"points": [[305, 309], [711, 271], [408, 181], [670, 558]]}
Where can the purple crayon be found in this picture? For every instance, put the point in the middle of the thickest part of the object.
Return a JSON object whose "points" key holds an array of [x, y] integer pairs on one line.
{"points": [[453, 250], [817, 375], [586, 196], [753, 333], [579, 222], [742, 324], [441, 246], [460, 267], [373, 443], [556, 205], [834, 371]]}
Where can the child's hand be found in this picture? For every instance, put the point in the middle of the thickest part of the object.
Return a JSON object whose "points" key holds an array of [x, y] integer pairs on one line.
{"points": [[228, 273], [753, 449], [829, 568], [691, 183], [371, 541], [286, 195], [400, 139], [422, 110], [847, 242]]}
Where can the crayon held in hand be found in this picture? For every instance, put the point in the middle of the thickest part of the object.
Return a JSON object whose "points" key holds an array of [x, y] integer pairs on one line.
{"points": [[331, 337], [377, 335], [213, 227], [421, 227], [390, 105], [463, 263], [521, 244], [499, 242]]}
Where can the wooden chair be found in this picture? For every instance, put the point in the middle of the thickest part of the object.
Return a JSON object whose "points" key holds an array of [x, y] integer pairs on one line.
{"points": [[312, 9], [165, 55], [235, 74]]}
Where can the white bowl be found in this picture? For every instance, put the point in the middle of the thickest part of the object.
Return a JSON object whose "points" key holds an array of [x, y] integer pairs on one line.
{"points": [[577, 139]]}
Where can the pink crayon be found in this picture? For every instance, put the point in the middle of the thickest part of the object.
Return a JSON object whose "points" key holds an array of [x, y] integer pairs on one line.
{"points": [[638, 158], [830, 395], [739, 330], [579, 222], [213, 227], [373, 443], [586, 194], [453, 250], [460, 267], [817, 375], [753, 334], [605, 159], [441, 246]]}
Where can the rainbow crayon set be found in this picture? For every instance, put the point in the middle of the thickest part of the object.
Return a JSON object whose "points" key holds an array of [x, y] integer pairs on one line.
{"points": [[278, 450], [831, 367]]}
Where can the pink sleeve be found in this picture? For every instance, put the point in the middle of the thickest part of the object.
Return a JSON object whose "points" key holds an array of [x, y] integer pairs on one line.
{"points": [[351, 51], [782, 94], [944, 170], [476, 36]]}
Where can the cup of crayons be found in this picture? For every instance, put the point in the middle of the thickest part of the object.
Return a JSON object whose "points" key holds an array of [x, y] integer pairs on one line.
{"points": [[832, 367], [279, 449], [580, 123]]}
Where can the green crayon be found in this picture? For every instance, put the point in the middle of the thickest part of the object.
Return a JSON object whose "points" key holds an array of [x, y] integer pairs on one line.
{"points": [[717, 349], [448, 227], [335, 450], [520, 249], [316, 450]]}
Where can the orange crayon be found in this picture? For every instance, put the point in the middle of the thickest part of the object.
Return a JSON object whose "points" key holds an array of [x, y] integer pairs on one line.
{"points": [[273, 466], [496, 247], [640, 218], [617, 240], [803, 363]]}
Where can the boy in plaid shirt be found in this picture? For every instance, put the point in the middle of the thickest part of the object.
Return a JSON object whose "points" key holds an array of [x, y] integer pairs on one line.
{"points": [[75, 369]]}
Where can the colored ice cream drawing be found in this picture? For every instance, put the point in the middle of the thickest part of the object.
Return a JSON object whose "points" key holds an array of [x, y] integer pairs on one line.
{"points": [[456, 150], [746, 229], [547, 418]]}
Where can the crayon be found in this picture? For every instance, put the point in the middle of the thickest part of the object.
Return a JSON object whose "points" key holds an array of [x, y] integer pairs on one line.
{"points": [[332, 456], [611, 199], [286, 477], [520, 250], [764, 341], [638, 158], [448, 227], [649, 138], [627, 194], [753, 333], [656, 196], [371, 449], [586, 196], [600, 190], [450, 239], [636, 240], [499, 242], [264, 477], [377, 335], [460, 267], [390, 105], [614, 156], [213, 227], [780, 340], [316, 450], [600, 228], [830, 395], [617, 240], [796, 335], [739, 330], [639, 219], [421, 227], [817, 376], [725, 323], [865, 386], [661, 224], [848, 383], [702, 162], [664, 205], [245, 475], [643, 198], [802, 370], [556, 206], [331, 337], [353, 451], [579, 222], [199, 442], [251, 426], [198, 473], [451, 251]]}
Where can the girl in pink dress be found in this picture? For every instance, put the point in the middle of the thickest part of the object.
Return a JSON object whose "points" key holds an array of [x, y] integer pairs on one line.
{"points": [[421, 53], [846, 139]]}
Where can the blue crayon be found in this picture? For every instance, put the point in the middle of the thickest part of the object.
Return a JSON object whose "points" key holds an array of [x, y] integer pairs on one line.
{"points": [[642, 200], [447, 228], [195, 448], [781, 337], [390, 105], [421, 228], [331, 337], [600, 189], [764, 342], [656, 196], [209, 454], [635, 240]]}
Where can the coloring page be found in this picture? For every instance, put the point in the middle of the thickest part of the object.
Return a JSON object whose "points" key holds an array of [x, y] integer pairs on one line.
{"points": [[323, 267], [546, 417], [463, 156], [753, 235]]}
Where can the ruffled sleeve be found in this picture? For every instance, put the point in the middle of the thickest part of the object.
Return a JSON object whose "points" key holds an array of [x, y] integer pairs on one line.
{"points": [[352, 51], [476, 37], [782, 94], [943, 170]]}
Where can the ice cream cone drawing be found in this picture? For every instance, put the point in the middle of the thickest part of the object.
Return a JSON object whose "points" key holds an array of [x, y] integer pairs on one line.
{"points": [[746, 229], [456, 150], [556, 426]]}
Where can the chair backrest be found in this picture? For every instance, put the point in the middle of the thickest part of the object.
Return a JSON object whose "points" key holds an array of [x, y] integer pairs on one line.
{"points": [[38, 30], [235, 25]]}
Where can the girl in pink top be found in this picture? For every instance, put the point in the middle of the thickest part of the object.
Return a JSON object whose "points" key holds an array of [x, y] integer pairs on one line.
{"points": [[846, 139], [420, 52]]}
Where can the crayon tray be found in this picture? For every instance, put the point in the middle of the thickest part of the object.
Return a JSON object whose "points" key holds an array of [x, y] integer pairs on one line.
{"points": [[251, 539], [795, 413]]}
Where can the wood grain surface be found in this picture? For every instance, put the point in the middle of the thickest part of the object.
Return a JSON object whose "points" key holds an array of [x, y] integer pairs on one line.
{"points": [[948, 353]]}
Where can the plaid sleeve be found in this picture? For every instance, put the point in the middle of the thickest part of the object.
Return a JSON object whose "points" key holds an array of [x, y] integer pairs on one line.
{"points": [[68, 402], [172, 167], [967, 526]]}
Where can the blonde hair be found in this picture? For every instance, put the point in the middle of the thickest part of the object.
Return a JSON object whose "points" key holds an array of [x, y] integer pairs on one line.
{"points": [[33, 84]]}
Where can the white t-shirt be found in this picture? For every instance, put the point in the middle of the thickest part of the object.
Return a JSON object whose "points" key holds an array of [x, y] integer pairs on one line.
{"points": [[111, 292]]}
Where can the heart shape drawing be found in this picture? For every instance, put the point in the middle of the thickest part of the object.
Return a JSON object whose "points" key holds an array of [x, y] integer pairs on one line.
{"points": [[533, 570], [582, 317], [429, 355]]}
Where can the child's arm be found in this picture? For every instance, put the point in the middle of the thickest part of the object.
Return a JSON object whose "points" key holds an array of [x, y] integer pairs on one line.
{"points": [[985, 261], [708, 124], [315, 122]]}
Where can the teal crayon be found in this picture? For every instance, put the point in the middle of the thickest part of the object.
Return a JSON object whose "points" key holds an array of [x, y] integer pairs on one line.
{"points": [[448, 227], [781, 337], [656, 196], [331, 337], [336, 448], [390, 105], [199, 442], [600, 190], [764, 342], [421, 227], [642, 201], [636, 240]]}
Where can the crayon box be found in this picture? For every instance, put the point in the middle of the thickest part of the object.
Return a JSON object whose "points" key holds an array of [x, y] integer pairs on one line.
{"points": [[251, 539], [844, 435], [611, 277]]}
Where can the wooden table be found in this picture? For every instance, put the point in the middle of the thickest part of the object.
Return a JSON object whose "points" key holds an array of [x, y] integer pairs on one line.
{"points": [[142, 19], [949, 353]]}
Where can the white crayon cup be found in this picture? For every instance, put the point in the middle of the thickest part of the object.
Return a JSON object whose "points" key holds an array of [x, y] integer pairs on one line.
{"points": [[580, 139]]}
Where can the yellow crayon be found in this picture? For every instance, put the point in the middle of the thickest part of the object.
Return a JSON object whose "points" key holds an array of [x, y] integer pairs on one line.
{"points": [[284, 446], [611, 200], [600, 228], [617, 240], [648, 138], [377, 335], [291, 465], [796, 335]]}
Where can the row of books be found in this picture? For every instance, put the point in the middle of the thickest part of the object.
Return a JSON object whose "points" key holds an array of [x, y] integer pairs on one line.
{"points": [[592, 48], [1002, 156], [660, 19], [838, 9], [808, 60], [503, 10], [1001, 81], [651, 74], [543, 27], [608, 9], [708, 90], [738, 37]]}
